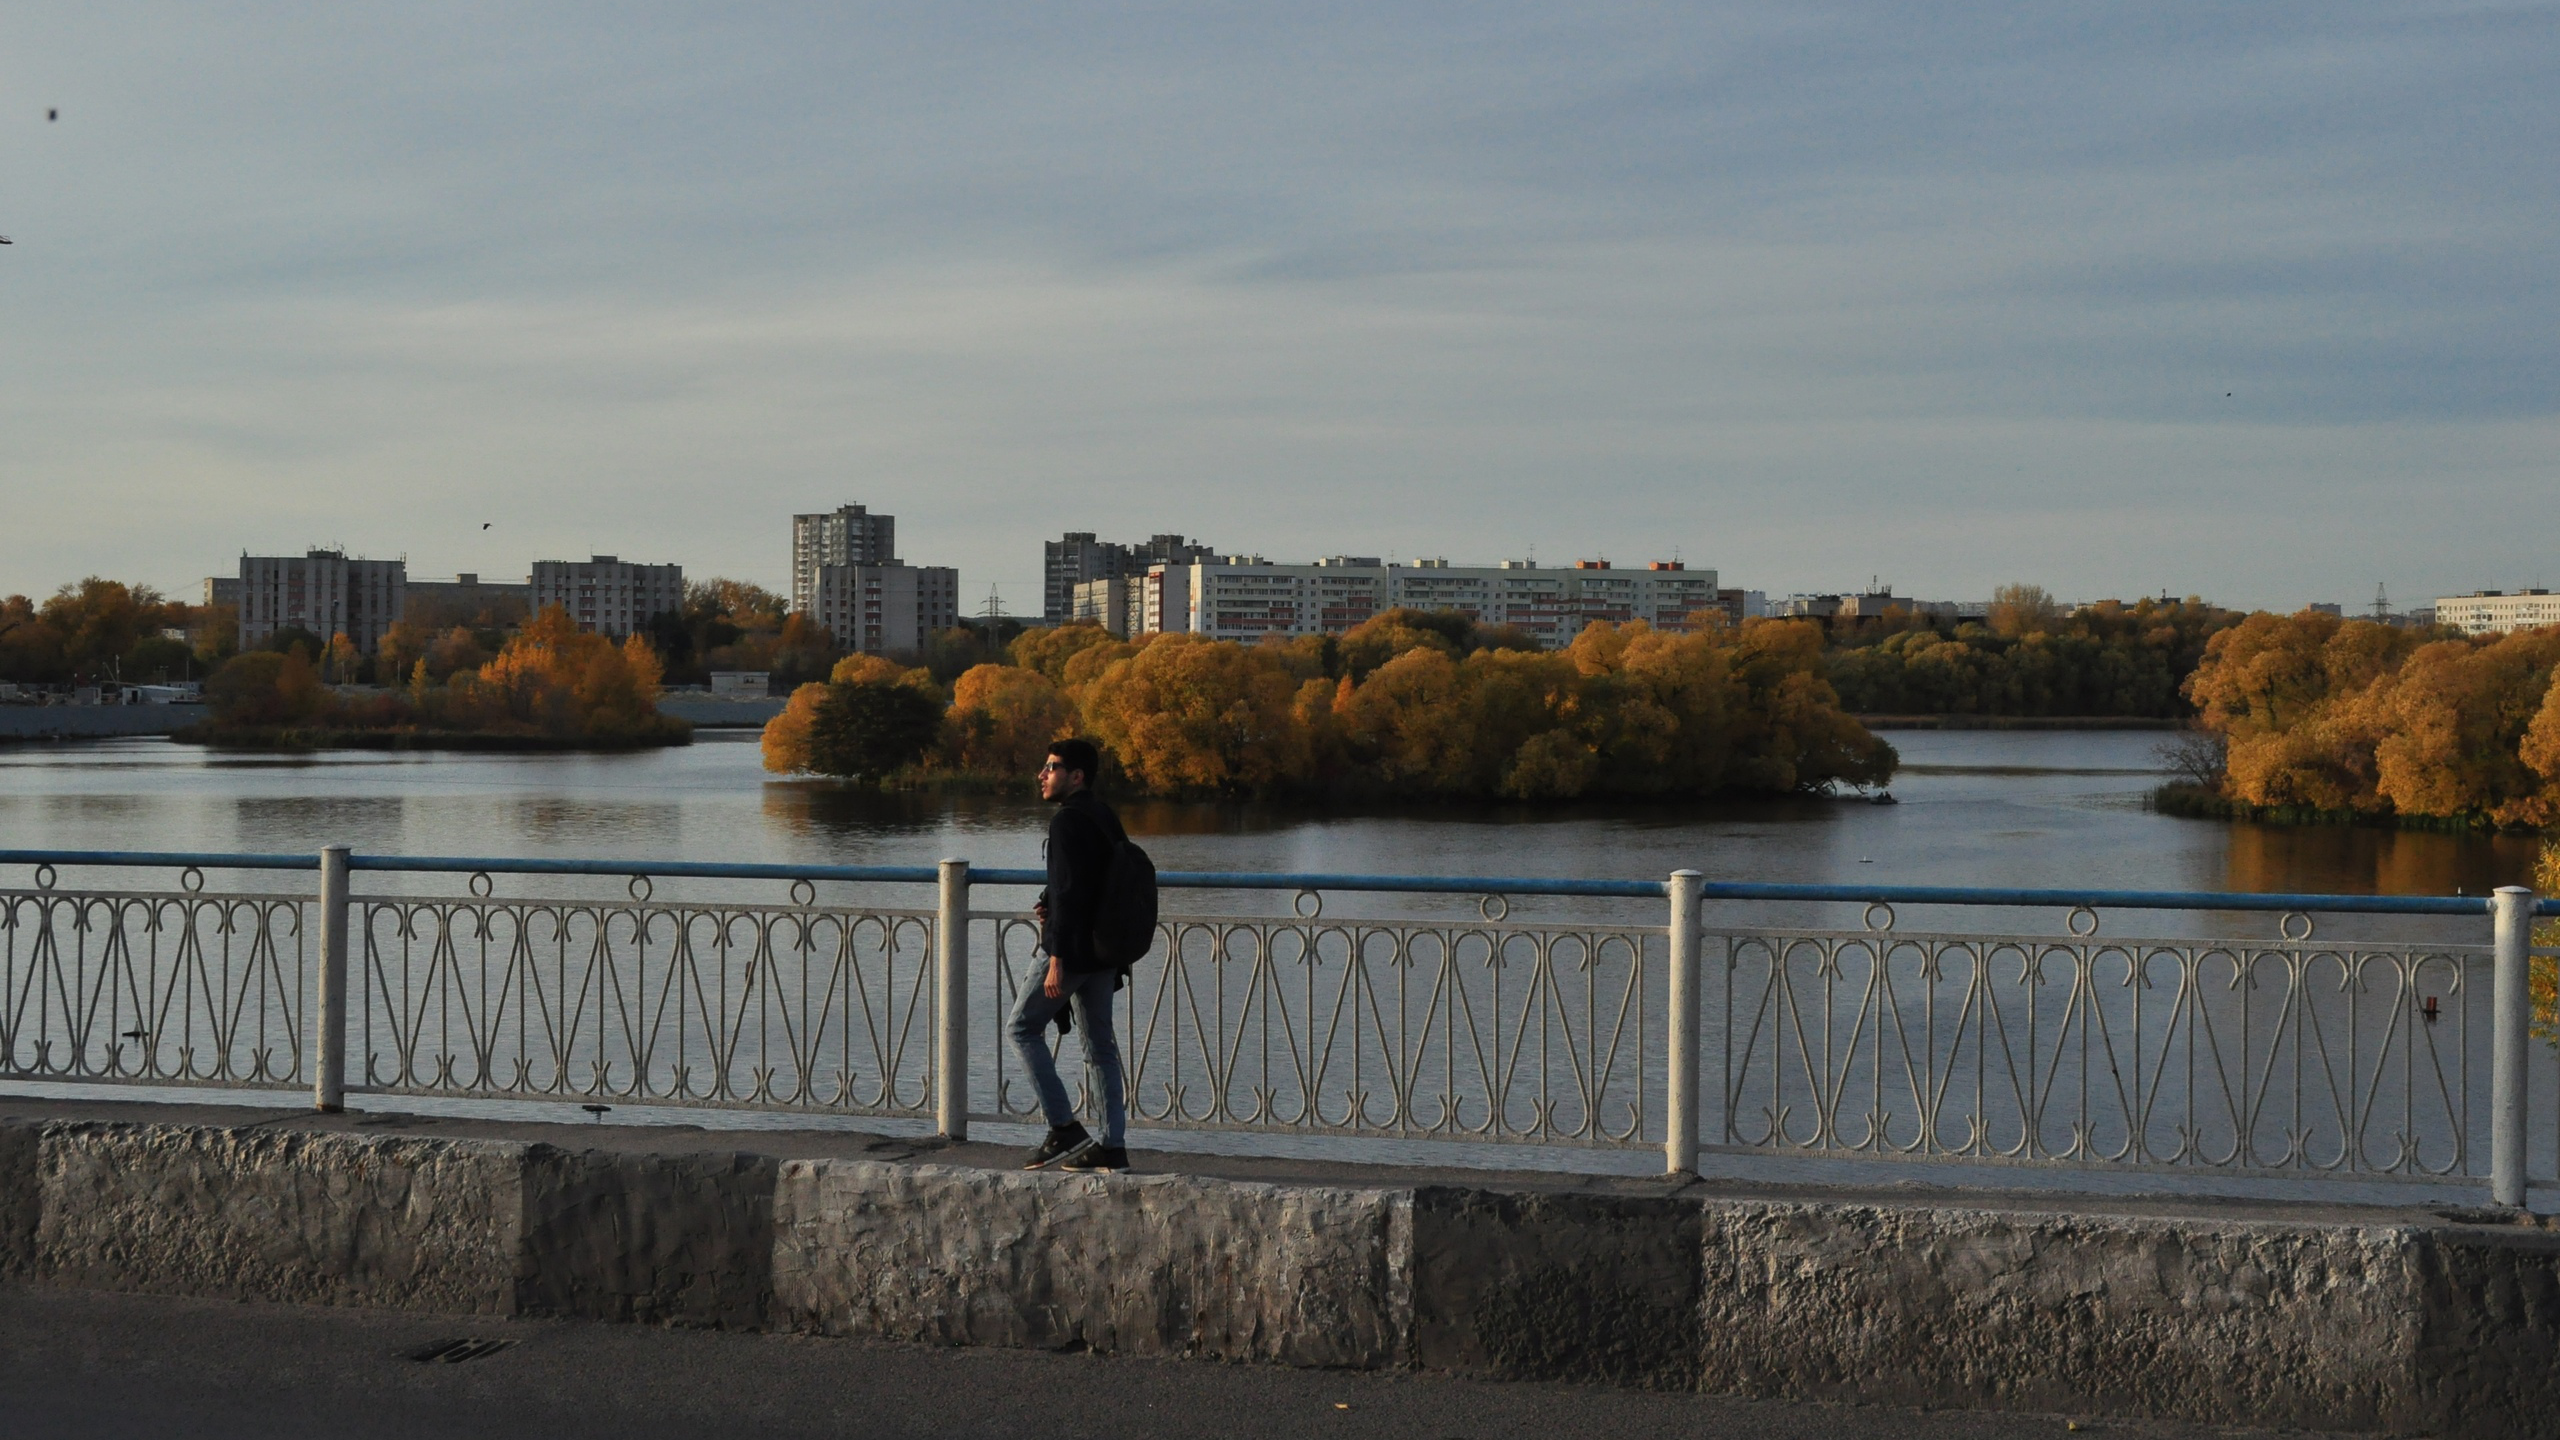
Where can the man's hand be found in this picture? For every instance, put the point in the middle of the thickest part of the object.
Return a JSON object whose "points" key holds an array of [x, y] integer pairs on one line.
{"points": [[1055, 987], [1040, 911]]}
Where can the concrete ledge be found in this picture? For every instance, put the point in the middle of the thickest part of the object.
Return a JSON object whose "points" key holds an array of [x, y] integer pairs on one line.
{"points": [[2276, 1323], [1557, 1287], [2403, 1322], [21, 1199], [330, 1219], [1142, 1265], [681, 1239]]}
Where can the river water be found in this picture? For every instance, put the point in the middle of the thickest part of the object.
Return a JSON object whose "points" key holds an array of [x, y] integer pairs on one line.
{"points": [[2023, 809], [2059, 809]]}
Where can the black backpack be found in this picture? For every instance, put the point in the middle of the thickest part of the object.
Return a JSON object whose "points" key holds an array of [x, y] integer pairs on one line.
{"points": [[1124, 921]]}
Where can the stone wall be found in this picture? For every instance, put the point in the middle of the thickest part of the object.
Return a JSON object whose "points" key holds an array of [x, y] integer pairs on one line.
{"points": [[2443, 1328]]}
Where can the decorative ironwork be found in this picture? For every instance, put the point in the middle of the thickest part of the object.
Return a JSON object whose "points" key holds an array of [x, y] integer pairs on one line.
{"points": [[756, 1006], [176, 988], [1418, 1029], [2288, 1056]]}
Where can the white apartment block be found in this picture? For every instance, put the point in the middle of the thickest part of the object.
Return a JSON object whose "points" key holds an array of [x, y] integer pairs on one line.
{"points": [[607, 595], [321, 591], [1245, 597], [2498, 612], [885, 609], [846, 535]]}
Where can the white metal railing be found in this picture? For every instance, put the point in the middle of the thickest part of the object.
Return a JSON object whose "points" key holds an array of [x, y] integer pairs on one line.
{"points": [[2285, 1055]]}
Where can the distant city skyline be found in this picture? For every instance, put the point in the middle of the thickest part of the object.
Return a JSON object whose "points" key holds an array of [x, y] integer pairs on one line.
{"points": [[2255, 303]]}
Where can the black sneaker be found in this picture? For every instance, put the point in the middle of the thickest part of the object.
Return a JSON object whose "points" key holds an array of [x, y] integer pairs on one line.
{"points": [[1099, 1157], [1065, 1142]]}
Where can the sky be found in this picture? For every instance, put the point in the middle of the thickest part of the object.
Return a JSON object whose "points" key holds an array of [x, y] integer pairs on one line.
{"points": [[2251, 302]]}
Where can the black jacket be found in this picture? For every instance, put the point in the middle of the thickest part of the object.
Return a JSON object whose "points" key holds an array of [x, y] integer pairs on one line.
{"points": [[1081, 837]]}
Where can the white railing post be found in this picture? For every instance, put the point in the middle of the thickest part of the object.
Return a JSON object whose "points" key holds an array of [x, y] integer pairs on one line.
{"points": [[951, 1002], [2510, 1013], [1680, 1092], [329, 1006]]}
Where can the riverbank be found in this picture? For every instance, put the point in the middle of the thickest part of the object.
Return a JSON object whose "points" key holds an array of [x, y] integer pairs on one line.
{"points": [[2018, 722], [2196, 802], [290, 739]]}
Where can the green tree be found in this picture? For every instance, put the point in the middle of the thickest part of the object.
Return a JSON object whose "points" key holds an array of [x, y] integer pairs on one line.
{"points": [[869, 730]]}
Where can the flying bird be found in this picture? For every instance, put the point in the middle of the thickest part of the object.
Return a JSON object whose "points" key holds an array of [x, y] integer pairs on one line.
{"points": [[485, 524], [52, 114], [5, 240]]}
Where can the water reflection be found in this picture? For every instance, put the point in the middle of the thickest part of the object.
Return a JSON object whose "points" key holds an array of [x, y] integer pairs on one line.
{"points": [[277, 824], [2365, 859]]}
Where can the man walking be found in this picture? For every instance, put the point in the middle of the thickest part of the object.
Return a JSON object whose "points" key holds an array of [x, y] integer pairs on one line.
{"points": [[1081, 838]]}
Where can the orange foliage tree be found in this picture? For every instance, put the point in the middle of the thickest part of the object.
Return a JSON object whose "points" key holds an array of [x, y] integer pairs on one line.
{"points": [[2352, 716], [1406, 704], [553, 679], [791, 739], [1003, 718]]}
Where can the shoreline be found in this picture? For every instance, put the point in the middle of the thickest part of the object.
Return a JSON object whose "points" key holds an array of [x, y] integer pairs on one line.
{"points": [[289, 740], [2018, 722], [2194, 802]]}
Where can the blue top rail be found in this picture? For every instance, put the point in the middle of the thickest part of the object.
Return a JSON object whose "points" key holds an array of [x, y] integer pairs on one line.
{"points": [[1247, 880]]}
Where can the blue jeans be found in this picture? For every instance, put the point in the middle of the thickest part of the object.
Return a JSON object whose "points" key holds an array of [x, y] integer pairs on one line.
{"points": [[1032, 1014]]}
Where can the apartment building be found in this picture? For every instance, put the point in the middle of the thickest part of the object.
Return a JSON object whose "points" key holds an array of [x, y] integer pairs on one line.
{"points": [[885, 609], [221, 590], [2498, 612], [1117, 605], [846, 535], [607, 595], [466, 594], [1079, 559], [1245, 597], [321, 591], [1868, 605]]}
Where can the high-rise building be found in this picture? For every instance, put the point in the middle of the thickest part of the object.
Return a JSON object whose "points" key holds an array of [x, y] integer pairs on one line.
{"points": [[321, 591], [1079, 559], [607, 595], [886, 609], [847, 535], [1241, 597]]}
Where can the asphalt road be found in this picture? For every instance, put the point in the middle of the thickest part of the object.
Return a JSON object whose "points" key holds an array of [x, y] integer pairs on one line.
{"points": [[88, 1365]]}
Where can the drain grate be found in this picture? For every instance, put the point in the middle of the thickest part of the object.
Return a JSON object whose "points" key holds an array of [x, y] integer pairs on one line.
{"points": [[454, 1352]]}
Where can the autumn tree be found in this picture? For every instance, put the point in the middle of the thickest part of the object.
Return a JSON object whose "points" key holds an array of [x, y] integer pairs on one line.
{"points": [[1047, 650], [2354, 717], [828, 726], [553, 679], [1189, 715], [403, 645], [2018, 611], [871, 729], [262, 688], [1003, 717]]}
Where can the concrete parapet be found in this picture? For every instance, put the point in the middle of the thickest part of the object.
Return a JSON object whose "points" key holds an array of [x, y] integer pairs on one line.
{"points": [[1143, 1265], [2276, 1323], [2411, 1322], [21, 1200], [279, 1215], [611, 1235], [1557, 1287]]}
